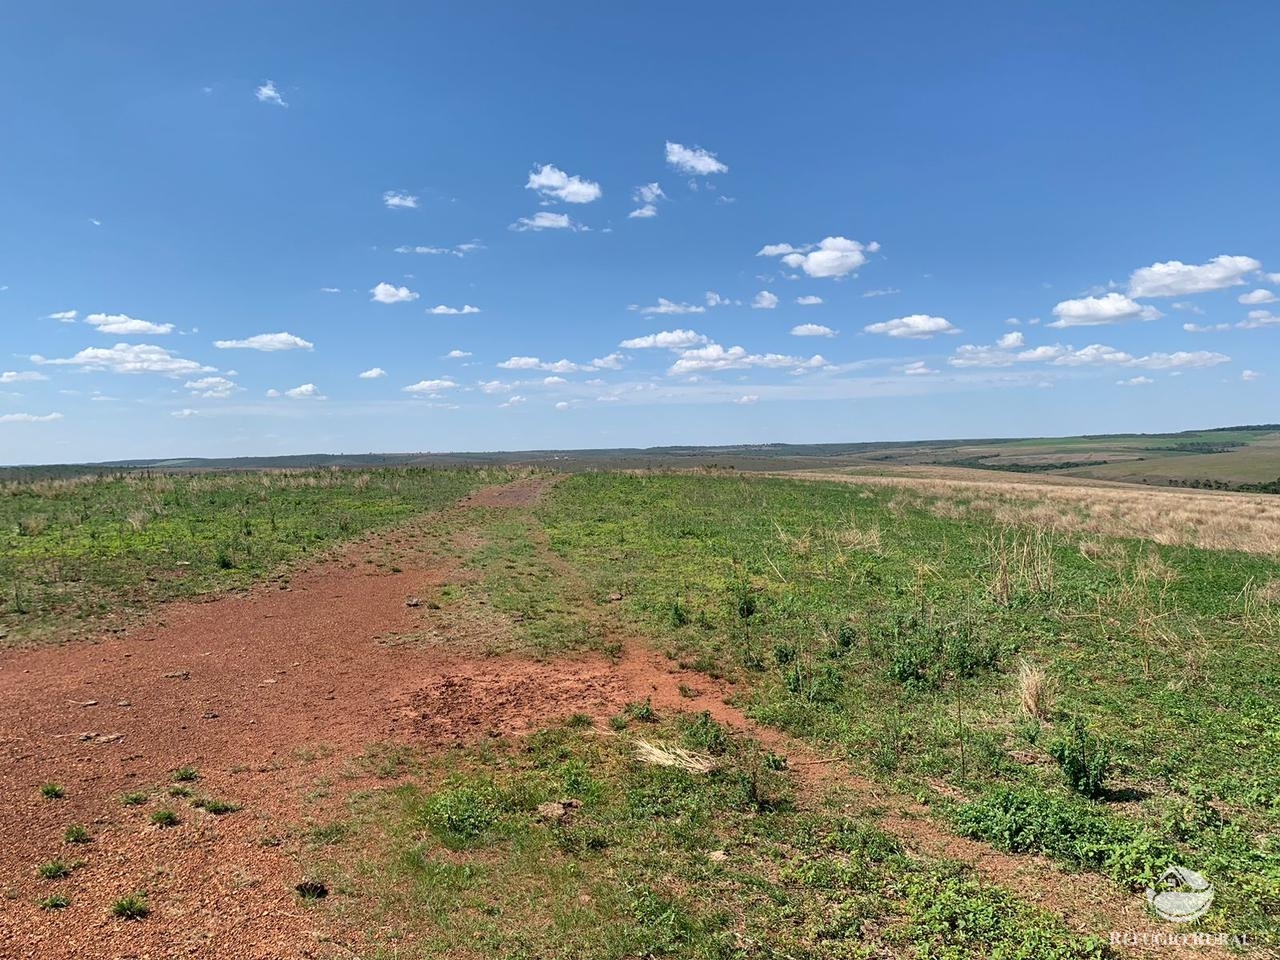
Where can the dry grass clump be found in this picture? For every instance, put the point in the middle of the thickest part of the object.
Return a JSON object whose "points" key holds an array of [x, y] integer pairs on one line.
{"points": [[1021, 562], [1216, 520], [664, 756], [1035, 690]]}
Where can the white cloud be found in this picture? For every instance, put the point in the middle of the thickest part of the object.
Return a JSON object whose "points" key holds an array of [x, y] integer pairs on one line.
{"points": [[442, 310], [266, 343], [563, 405], [21, 376], [918, 326], [513, 401], [305, 391], [611, 362], [213, 388], [1187, 306], [1256, 320], [129, 358], [63, 316], [553, 366], [373, 373], [812, 330], [1095, 354], [330, 289], [808, 301], [457, 250], [184, 413], [1249, 375], [665, 306], [273, 393], [1096, 311], [764, 300], [884, 292], [1173, 278], [550, 181], [544, 220], [748, 399], [917, 369], [457, 354], [715, 357], [121, 325], [267, 93], [1010, 340], [714, 299], [693, 161], [1257, 296], [493, 386], [647, 195], [830, 257], [667, 339], [390, 293], [29, 417], [430, 386], [398, 200], [1135, 382]]}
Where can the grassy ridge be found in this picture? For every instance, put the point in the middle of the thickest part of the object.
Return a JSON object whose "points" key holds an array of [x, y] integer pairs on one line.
{"points": [[896, 634], [74, 550]]}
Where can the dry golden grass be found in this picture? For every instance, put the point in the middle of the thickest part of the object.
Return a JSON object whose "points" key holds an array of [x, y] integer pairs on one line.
{"points": [[1204, 518], [662, 756], [1035, 691]]}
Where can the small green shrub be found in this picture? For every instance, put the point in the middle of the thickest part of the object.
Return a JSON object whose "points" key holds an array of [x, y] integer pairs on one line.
{"points": [[53, 870], [165, 819], [56, 901], [76, 834], [134, 906], [52, 791], [643, 712], [186, 775], [134, 799], [214, 806], [1084, 759], [461, 816]]}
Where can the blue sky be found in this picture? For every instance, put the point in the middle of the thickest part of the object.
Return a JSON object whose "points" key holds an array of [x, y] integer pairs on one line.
{"points": [[298, 228]]}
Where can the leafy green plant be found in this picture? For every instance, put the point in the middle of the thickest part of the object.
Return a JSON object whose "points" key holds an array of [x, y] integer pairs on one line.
{"points": [[52, 791], [53, 870], [186, 775], [165, 819], [135, 798], [55, 901], [461, 816], [133, 906], [76, 834], [1084, 759]]}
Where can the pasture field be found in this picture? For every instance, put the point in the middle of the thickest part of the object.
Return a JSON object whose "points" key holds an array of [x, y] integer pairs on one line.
{"points": [[638, 714]]}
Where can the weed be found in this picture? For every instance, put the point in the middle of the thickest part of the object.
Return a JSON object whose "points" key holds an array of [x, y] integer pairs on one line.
{"points": [[55, 901], [215, 806], [133, 906], [165, 819], [135, 798], [1085, 760], [76, 834], [52, 791], [460, 816], [53, 870], [641, 712], [1035, 693], [186, 775]]}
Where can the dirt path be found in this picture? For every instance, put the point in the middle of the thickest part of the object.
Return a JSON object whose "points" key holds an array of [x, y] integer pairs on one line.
{"points": [[275, 694]]}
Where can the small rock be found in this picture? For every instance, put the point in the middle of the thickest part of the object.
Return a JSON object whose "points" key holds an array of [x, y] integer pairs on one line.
{"points": [[208, 715], [413, 602], [123, 703], [615, 597], [558, 811], [717, 856], [178, 675]]}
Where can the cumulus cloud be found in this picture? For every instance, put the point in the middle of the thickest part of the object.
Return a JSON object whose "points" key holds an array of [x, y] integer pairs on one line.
{"points": [[121, 325], [1256, 320], [713, 357], [266, 343], [184, 413], [917, 369], [29, 417], [748, 399], [1255, 297], [1135, 382], [305, 391], [667, 339], [1249, 375], [830, 257], [808, 301], [1095, 354], [441, 309], [543, 220], [21, 376], [1010, 340], [550, 181], [212, 388], [918, 326], [390, 293], [1173, 278], [693, 161], [457, 354], [764, 300], [399, 200], [430, 386], [665, 306], [267, 93], [714, 299], [1097, 311], [812, 330], [63, 316], [647, 196], [129, 358], [373, 373]]}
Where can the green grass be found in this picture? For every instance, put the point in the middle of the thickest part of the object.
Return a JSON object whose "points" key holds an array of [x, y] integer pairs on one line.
{"points": [[164, 819], [52, 791], [133, 906], [644, 860], [75, 550], [893, 634], [76, 834], [134, 798], [53, 870], [56, 901], [186, 775]]}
